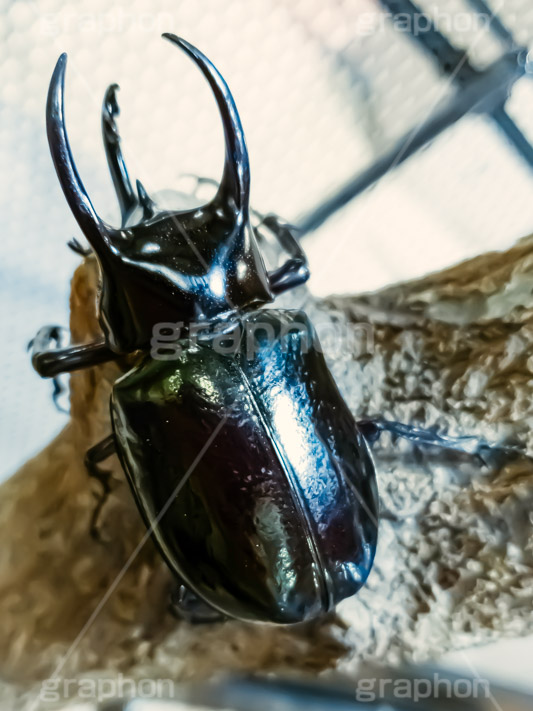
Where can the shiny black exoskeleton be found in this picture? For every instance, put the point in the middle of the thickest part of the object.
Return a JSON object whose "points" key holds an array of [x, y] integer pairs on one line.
{"points": [[242, 456]]}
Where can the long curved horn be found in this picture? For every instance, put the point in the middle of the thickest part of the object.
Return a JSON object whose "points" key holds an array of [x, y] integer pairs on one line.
{"points": [[92, 226], [127, 199], [235, 181]]}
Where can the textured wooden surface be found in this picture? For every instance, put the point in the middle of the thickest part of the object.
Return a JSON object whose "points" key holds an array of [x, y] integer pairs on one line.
{"points": [[455, 559]]}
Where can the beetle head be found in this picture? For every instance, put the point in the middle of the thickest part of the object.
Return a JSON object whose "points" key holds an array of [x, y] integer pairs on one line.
{"points": [[165, 265]]}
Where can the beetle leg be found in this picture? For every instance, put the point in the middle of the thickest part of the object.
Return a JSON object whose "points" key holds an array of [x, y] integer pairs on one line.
{"points": [[93, 457], [373, 428], [78, 248], [187, 606], [50, 362], [295, 271], [58, 392], [45, 337]]}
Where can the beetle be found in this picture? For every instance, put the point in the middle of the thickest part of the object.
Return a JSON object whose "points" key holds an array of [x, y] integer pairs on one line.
{"points": [[249, 470]]}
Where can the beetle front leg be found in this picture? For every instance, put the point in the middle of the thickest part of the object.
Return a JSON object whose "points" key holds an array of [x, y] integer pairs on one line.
{"points": [[185, 605], [101, 451], [43, 339], [50, 362], [295, 271]]}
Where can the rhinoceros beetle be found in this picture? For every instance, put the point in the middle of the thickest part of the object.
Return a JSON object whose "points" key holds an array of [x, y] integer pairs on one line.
{"points": [[248, 468]]}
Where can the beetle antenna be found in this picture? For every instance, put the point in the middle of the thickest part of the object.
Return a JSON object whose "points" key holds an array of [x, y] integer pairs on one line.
{"points": [[235, 183], [115, 160], [92, 226], [146, 202]]}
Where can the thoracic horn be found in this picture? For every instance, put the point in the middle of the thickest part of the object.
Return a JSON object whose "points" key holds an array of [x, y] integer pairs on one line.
{"points": [[145, 201], [235, 183], [94, 229], [119, 174]]}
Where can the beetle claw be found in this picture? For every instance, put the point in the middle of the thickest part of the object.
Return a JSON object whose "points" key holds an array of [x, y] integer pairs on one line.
{"points": [[146, 202], [101, 499], [78, 248], [92, 458], [185, 605]]}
